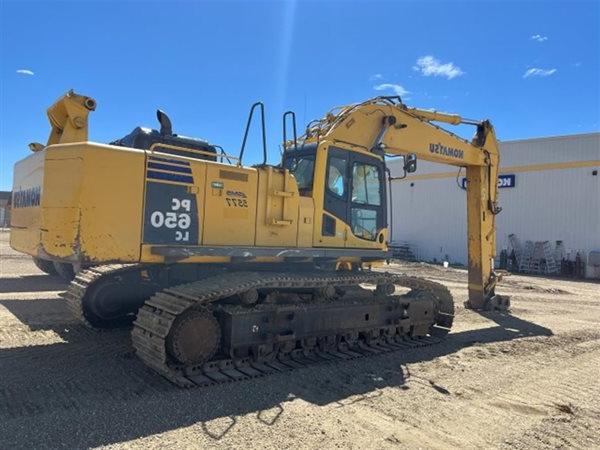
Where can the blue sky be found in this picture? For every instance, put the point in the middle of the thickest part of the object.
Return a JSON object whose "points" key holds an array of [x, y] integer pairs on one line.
{"points": [[531, 67]]}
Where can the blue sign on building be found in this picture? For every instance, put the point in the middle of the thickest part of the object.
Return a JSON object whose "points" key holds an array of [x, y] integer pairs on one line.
{"points": [[504, 181]]}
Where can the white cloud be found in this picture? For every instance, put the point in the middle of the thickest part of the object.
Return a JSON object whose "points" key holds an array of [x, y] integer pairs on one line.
{"points": [[376, 76], [398, 90], [539, 38], [428, 66], [537, 72], [25, 72]]}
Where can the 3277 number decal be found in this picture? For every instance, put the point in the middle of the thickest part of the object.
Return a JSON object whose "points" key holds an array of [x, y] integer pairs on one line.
{"points": [[236, 202]]}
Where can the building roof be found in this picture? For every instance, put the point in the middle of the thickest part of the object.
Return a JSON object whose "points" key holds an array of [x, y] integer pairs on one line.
{"points": [[551, 138], [5, 195]]}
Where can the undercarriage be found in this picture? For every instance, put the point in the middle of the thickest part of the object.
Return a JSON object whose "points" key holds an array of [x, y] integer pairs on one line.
{"points": [[229, 325]]}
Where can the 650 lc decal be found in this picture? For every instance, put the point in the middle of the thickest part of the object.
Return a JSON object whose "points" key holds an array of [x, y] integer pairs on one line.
{"points": [[175, 219], [171, 215]]}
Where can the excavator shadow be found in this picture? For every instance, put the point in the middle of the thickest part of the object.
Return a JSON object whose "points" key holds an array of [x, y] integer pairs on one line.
{"points": [[86, 380], [508, 327], [32, 283]]}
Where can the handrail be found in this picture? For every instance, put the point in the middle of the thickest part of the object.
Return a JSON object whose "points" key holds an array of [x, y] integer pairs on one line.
{"points": [[191, 150], [293, 114], [264, 134], [223, 154]]}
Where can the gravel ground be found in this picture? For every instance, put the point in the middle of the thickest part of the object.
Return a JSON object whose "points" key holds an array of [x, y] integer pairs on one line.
{"points": [[525, 380]]}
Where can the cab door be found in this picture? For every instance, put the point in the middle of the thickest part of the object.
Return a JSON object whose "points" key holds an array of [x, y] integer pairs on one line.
{"points": [[367, 210], [354, 208]]}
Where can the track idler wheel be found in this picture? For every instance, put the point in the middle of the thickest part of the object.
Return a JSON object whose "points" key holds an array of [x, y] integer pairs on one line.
{"points": [[113, 302], [194, 337]]}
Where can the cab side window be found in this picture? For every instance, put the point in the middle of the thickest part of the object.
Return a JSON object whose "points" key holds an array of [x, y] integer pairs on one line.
{"points": [[336, 176], [302, 167]]}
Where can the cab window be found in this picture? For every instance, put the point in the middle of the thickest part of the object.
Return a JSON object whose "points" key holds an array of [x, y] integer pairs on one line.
{"points": [[302, 167], [366, 185], [364, 223], [336, 176]]}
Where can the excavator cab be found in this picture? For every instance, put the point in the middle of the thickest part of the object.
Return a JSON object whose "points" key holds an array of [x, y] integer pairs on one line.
{"points": [[352, 186]]}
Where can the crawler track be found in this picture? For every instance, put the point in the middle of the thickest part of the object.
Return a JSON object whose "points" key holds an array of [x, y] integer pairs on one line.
{"points": [[84, 281], [156, 317]]}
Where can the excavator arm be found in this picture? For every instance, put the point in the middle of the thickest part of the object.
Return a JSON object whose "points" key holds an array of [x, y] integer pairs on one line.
{"points": [[386, 126]]}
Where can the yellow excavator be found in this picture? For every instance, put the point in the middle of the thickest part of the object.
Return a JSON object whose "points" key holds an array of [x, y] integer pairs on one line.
{"points": [[230, 272]]}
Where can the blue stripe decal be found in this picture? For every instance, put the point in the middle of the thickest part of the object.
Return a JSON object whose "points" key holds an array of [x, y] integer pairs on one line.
{"points": [[151, 174], [153, 165], [172, 161]]}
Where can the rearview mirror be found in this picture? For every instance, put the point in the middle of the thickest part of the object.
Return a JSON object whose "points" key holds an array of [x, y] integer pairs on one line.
{"points": [[410, 163]]}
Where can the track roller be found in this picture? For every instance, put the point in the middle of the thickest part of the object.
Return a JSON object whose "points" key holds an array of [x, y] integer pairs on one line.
{"points": [[385, 289]]}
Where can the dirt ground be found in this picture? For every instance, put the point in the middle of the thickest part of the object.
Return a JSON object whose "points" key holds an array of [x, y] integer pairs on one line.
{"points": [[525, 380]]}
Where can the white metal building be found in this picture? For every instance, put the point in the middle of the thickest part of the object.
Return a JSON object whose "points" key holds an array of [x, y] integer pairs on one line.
{"points": [[550, 192]]}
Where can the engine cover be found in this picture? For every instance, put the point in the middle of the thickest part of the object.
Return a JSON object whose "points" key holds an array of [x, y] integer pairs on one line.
{"points": [[144, 138]]}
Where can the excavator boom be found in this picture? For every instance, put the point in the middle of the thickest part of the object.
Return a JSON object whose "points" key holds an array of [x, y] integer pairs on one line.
{"points": [[385, 125]]}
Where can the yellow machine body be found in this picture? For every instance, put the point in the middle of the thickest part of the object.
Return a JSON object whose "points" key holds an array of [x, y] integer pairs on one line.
{"points": [[87, 203], [91, 206]]}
